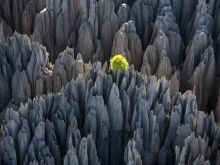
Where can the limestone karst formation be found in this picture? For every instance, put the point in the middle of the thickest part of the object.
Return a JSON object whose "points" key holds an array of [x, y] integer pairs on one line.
{"points": [[61, 104]]}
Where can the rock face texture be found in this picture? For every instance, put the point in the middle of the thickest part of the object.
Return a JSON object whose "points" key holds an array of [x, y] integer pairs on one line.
{"points": [[20, 15], [61, 104], [127, 118]]}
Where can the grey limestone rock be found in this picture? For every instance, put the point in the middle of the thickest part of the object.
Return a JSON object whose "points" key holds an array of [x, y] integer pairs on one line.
{"points": [[20, 15], [109, 24], [71, 158], [127, 43], [144, 123], [61, 104], [131, 155]]}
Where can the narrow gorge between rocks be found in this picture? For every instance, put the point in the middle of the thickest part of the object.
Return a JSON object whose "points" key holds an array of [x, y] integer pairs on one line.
{"points": [[60, 103]]}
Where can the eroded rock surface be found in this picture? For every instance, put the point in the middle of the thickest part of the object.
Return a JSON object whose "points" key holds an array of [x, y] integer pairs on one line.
{"points": [[61, 104], [135, 120]]}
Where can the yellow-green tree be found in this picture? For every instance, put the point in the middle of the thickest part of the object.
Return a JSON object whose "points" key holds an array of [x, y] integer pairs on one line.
{"points": [[118, 63]]}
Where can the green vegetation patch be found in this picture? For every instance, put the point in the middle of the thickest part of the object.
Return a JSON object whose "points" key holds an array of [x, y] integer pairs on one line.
{"points": [[118, 63]]}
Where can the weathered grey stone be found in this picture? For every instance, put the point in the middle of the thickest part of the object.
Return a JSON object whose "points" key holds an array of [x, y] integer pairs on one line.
{"points": [[56, 109], [71, 158], [127, 43], [131, 155]]}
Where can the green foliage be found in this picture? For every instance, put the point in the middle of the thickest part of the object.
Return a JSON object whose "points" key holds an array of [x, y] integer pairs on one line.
{"points": [[118, 63]]}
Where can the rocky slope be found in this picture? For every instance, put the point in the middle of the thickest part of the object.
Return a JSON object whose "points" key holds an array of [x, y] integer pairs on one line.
{"points": [[60, 104], [107, 119]]}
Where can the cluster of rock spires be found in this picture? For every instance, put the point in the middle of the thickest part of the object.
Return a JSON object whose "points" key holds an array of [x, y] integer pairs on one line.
{"points": [[111, 119], [60, 104]]}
